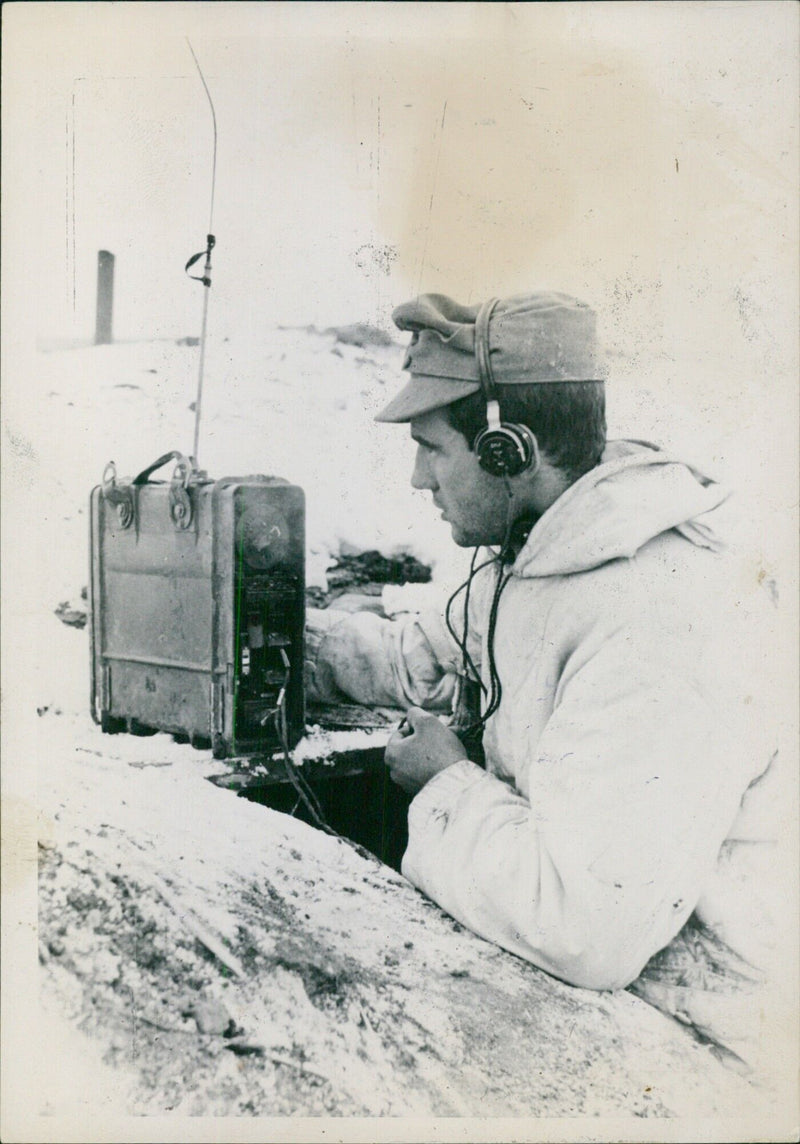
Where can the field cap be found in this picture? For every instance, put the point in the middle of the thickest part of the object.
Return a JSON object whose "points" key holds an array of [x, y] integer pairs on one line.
{"points": [[540, 337]]}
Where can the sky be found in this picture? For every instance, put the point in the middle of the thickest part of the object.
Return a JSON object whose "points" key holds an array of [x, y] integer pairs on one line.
{"points": [[640, 156], [366, 152]]}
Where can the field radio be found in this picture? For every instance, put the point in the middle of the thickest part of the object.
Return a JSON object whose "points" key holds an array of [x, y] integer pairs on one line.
{"points": [[198, 594], [198, 606]]}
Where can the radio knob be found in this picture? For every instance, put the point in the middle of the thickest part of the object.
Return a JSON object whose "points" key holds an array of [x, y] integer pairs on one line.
{"points": [[263, 537]]}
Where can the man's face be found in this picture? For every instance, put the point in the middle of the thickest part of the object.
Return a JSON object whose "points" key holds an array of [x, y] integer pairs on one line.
{"points": [[472, 501]]}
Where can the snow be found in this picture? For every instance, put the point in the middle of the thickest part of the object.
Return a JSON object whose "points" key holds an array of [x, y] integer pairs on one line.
{"points": [[297, 404], [141, 805], [689, 272], [352, 978]]}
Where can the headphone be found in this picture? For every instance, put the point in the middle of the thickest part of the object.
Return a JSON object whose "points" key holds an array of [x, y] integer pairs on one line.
{"points": [[503, 449]]}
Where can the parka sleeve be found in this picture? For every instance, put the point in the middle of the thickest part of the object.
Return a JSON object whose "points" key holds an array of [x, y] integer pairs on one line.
{"points": [[412, 660], [364, 658], [594, 861]]}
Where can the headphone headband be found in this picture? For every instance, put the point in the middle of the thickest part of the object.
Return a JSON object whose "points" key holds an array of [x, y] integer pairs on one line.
{"points": [[482, 356], [504, 450]]}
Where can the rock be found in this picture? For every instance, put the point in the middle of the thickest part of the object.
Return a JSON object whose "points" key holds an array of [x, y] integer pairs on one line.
{"points": [[360, 334], [363, 567], [73, 617], [212, 1017]]}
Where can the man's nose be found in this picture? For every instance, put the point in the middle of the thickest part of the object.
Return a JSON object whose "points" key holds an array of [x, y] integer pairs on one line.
{"points": [[422, 478]]}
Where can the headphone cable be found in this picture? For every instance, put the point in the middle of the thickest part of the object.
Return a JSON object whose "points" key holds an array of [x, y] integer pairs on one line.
{"points": [[467, 662], [501, 559]]}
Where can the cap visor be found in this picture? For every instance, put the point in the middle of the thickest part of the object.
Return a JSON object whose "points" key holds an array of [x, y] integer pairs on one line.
{"points": [[423, 394]]}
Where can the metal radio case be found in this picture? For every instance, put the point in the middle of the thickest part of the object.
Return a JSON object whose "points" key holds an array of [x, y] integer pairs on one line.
{"points": [[197, 608]]}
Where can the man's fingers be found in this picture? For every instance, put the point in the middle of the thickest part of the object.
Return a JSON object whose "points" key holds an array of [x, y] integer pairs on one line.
{"points": [[415, 716]]}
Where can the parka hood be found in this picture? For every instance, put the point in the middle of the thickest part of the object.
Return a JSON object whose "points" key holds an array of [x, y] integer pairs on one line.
{"points": [[634, 494]]}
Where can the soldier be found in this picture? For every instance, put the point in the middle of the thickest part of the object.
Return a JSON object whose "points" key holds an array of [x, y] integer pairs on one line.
{"points": [[604, 627]]}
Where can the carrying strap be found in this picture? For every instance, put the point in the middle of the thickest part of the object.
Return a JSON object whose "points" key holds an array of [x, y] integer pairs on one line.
{"points": [[186, 466], [181, 509]]}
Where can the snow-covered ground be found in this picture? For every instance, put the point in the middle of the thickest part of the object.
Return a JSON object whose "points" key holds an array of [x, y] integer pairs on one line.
{"points": [[298, 403]]}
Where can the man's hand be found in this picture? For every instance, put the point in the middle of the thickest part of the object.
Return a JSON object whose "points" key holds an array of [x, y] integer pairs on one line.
{"points": [[420, 748]]}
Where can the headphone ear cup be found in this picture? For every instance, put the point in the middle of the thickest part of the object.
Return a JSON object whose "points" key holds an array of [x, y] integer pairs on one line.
{"points": [[507, 450]]}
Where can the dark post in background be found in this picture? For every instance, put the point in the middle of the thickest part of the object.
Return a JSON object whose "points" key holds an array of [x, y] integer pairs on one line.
{"points": [[105, 298]]}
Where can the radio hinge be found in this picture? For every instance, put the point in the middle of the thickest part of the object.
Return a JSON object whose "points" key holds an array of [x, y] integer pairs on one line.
{"points": [[217, 705]]}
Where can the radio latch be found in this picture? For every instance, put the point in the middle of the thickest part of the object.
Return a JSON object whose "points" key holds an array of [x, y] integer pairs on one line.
{"points": [[180, 501], [118, 495]]}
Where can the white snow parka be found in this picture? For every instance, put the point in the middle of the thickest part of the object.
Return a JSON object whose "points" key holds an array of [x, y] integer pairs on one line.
{"points": [[626, 736]]}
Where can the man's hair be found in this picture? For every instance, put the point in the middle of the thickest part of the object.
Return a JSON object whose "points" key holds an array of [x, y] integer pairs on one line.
{"points": [[568, 419]]}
